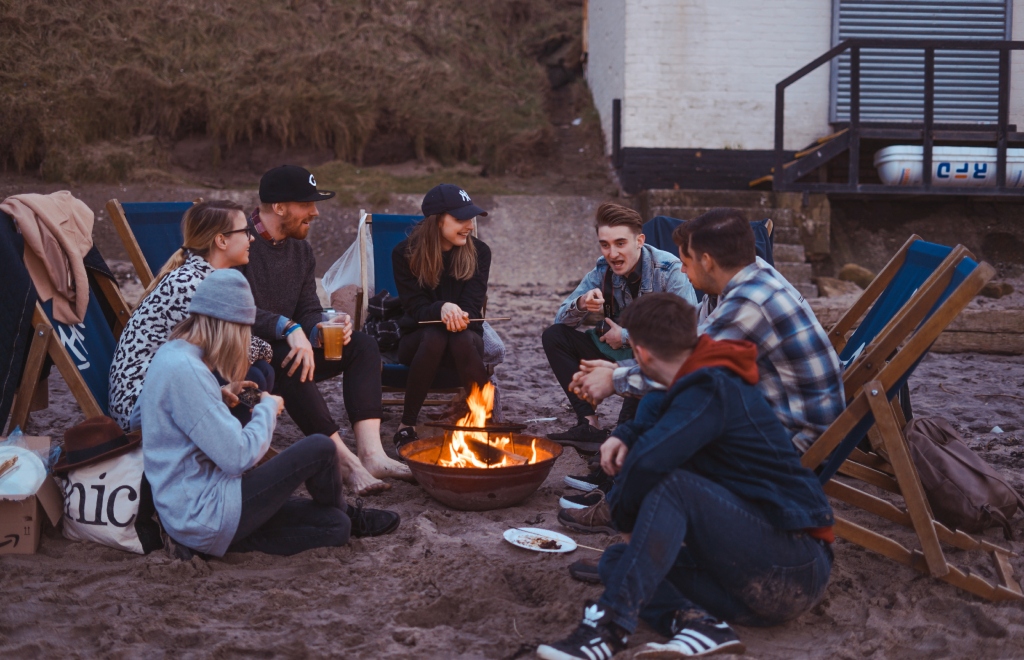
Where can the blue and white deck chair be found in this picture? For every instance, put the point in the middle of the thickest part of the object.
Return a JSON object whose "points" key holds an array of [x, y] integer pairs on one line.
{"points": [[883, 367], [150, 231], [82, 352], [385, 232]]}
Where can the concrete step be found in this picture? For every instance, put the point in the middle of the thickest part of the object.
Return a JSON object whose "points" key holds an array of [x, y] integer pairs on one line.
{"points": [[806, 289], [795, 272], [789, 252], [786, 236]]}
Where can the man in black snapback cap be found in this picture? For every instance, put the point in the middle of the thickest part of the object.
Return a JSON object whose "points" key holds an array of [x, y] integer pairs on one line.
{"points": [[281, 273]]}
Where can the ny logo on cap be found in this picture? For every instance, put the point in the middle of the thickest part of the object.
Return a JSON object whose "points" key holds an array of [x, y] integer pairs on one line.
{"points": [[312, 181], [465, 196]]}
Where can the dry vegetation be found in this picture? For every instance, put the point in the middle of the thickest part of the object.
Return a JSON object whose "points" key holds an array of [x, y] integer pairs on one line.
{"points": [[93, 89]]}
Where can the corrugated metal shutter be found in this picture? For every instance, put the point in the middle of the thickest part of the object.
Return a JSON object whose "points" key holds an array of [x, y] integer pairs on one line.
{"points": [[892, 81]]}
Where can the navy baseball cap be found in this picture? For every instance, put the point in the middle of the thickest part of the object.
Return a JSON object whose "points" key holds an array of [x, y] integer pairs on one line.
{"points": [[291, 183], [450, 199]]}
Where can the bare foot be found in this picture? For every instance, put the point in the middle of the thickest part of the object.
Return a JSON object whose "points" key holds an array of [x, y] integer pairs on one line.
{"points": [[362, 482], [384, 467]]}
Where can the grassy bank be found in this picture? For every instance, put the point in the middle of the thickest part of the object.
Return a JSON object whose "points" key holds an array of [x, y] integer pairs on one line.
{"points": [[95, 88]]}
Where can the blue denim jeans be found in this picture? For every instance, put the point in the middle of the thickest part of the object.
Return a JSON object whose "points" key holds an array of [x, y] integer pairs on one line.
{"points": [[699, 548]]}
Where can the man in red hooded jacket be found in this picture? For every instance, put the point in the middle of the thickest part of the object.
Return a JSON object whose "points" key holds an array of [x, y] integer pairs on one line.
{"points": [[723, 522]]}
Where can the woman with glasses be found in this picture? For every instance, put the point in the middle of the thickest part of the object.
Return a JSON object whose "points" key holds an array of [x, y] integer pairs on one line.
{"points": [[217, 236]]}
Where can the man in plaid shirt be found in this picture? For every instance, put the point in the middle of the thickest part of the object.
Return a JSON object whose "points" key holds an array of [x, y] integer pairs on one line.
{"points": [[800, 375]]}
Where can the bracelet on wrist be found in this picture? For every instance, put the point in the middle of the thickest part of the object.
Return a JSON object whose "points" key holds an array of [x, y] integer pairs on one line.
{"points": [[290, 328]]}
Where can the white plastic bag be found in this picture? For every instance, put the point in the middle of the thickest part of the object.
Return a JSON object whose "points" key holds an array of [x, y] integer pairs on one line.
{"points": [[344, 278]]}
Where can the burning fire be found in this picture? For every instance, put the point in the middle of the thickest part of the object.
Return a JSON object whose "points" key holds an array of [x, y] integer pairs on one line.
{"points": [[461, 451]]}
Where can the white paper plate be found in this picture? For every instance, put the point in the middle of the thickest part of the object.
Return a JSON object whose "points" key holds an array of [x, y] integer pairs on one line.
{"points": [[532, 538], [25, 477]]}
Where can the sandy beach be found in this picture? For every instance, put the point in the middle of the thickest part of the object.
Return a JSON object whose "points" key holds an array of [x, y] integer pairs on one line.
{"points": [[446, 584]]}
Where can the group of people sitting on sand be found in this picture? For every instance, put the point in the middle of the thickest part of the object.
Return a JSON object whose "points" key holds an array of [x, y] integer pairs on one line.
{"points": [[701, 475], [236, 310]]}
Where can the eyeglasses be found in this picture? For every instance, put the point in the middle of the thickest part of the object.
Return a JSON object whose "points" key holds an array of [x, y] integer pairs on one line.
{"points": [[247, 229]]}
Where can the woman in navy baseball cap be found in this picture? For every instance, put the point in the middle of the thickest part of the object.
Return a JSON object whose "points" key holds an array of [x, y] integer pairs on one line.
{"points": [[441, 272]]}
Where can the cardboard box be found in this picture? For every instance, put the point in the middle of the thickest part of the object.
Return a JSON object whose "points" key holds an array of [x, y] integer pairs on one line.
{"points": [[21, 522]]}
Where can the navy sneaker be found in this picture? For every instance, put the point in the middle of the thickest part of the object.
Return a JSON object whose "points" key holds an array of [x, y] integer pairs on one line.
{"points": [[585, 500], [404, 437], [694, 638], [588, 482], [596, 638], [583, 437], [371, 522]]}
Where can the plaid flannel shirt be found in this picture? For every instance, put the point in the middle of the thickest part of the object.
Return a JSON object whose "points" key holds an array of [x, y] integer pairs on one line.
{"points": [[800, 375]]}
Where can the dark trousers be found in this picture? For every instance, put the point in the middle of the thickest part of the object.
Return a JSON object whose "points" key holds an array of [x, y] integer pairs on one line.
{"points": [[734, 565], [424, 350], [565, 347], [360, 364], [276, 523]]}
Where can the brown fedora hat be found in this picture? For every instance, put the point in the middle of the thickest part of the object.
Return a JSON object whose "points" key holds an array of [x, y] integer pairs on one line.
{"points": [[94, 440]]}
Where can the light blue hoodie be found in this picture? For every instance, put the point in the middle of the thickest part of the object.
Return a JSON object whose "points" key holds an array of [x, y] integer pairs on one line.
{"points": [[194, 450]]}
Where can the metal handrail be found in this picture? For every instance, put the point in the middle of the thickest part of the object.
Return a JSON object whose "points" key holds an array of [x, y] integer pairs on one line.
{"points": [[928, 125]]}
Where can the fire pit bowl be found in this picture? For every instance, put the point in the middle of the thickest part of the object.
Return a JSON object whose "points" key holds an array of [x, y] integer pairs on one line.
{"points": [[480, 489]]}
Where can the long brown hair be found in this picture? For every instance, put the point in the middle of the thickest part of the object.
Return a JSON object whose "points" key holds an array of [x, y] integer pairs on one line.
{"points": [[225, 345], [202, 223], [426, 256]]}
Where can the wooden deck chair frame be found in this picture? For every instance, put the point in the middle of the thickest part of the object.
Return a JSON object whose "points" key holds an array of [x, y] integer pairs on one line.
{"points": [[363, 296], [32, 393], [881, 371], [131, 244]]}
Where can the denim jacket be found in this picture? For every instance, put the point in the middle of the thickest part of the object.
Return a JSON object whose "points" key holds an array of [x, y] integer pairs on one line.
{"points": [[712, 423], [660, 272]]}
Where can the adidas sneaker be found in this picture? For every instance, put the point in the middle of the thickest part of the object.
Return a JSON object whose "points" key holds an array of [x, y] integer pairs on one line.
{"points": [[596, 638], [695, 639]]}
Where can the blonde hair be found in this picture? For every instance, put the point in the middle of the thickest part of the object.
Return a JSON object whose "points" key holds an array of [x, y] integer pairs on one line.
{"points": [[225, 345], [201, 224], [426, 256]]}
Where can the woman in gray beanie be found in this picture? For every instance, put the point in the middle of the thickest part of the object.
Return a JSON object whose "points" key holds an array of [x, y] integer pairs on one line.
{"points": [[201, 462]]}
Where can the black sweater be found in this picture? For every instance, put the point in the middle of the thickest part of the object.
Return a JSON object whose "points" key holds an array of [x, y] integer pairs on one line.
{"points": [[420, 304], [282, 278]]}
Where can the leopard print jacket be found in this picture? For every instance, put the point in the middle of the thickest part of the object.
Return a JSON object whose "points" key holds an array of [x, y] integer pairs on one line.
{"points": [[147, 330]]}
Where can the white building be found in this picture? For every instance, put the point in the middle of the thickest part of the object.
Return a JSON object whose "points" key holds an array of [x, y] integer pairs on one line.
{"points": [[696, 78]]}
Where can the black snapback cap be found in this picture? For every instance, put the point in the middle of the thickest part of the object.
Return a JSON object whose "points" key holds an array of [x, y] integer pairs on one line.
{"points": [[290, 183]]}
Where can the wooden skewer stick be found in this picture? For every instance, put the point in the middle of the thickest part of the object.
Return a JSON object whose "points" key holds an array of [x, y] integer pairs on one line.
{"points": [[500, 318], [556, 539]]}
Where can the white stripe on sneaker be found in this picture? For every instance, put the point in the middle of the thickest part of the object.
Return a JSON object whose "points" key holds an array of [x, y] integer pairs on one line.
{"points": [[690, 647], [590, 654], [707, 641], [608, 651], [566, 504]]}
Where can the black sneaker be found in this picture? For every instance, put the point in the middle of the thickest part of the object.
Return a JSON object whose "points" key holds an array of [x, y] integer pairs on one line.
{"points": [[596, 638], [695, 638], [371, 522], [404, 437], [583, 437], [584, 501], [585, 570], [588, 482]]}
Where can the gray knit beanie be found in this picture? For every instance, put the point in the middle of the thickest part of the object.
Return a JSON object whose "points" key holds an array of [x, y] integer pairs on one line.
{"points": [[225, 295]]}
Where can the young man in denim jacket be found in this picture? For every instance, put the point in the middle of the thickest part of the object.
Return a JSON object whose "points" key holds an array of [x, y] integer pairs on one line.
{"points": [[722, 521], [626, 270]]}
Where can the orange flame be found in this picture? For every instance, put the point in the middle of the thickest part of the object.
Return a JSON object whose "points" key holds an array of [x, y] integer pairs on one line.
{"points": [[461, 454]]}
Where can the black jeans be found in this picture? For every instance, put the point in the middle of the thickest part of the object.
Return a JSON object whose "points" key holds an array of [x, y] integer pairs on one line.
{"points": [[565, 347], [276, 523], [424, 350], [698, 547], [360, 364]]}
